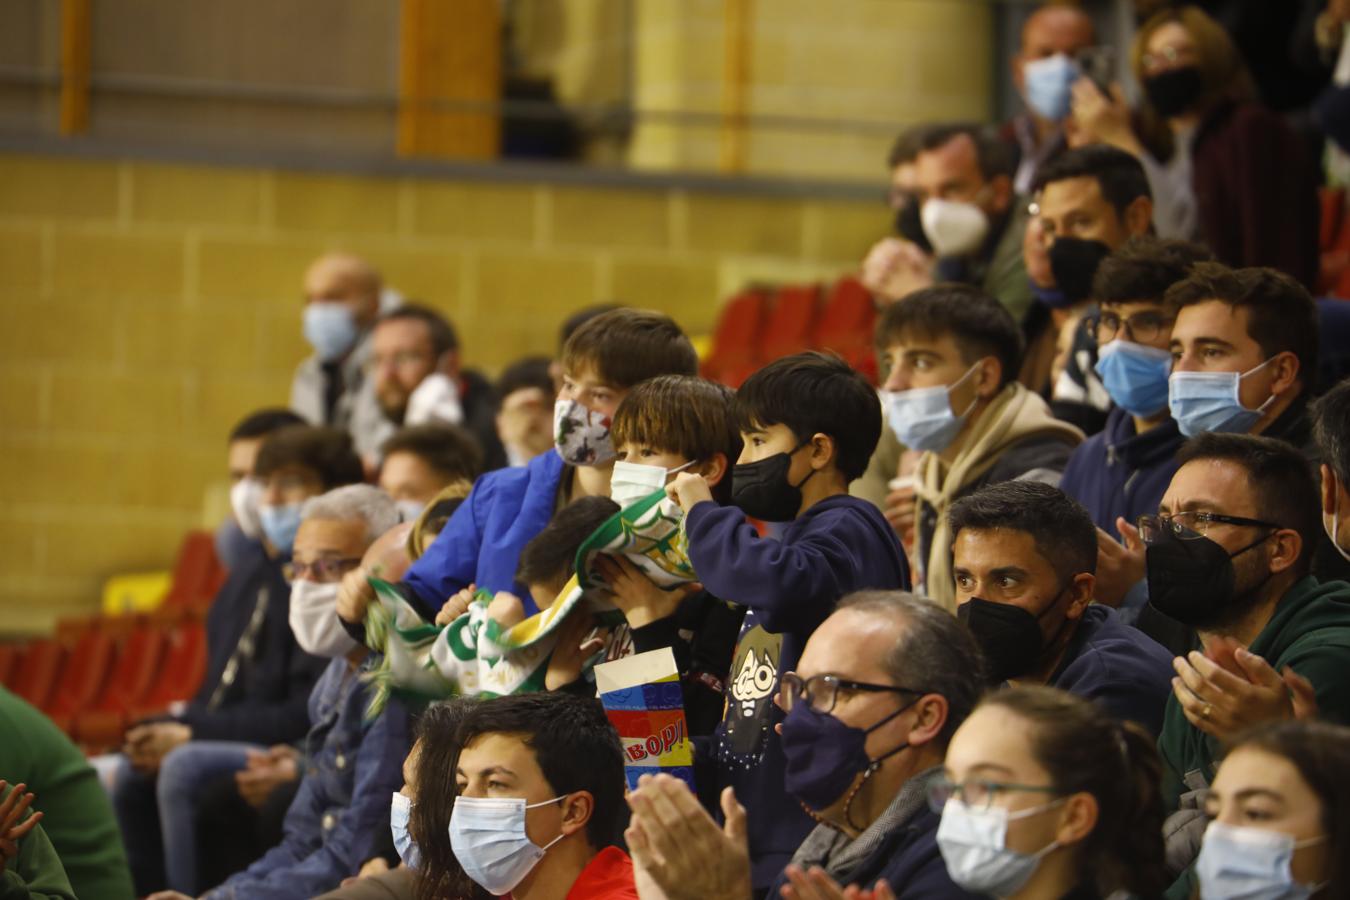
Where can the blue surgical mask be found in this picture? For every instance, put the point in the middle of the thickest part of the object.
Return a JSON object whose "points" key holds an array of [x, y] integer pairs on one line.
{"points": [[974, 847], [279, 524], [1135, 375], [922, 418], [490, 843], [1049, 84], [407, 848], [1209, 401], [1249, 863], [330, 328]]}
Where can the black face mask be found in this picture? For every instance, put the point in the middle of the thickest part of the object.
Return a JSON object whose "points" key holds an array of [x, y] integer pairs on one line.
{"points": [[1194, 581], [909, 225], [762, 491], [1175, 91], [1010, 638], [1074, 263]]}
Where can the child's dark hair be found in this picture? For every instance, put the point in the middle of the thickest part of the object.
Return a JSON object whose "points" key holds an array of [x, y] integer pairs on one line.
{"points": [[550, 558], [1085, 750], [815, 393], [625, 346], [681, 414]]}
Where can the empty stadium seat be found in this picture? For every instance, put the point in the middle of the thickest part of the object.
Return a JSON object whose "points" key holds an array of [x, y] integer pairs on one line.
{"points": [[846, 326], [82, 676], [181, 670], [37, 670], [791, 322], [735, 342], [9, 658], [132, 676], [197, 574]]}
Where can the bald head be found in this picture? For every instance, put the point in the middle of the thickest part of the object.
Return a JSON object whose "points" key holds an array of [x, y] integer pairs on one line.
{"points": [[348, 279], [387, 558], [1058, 28]]}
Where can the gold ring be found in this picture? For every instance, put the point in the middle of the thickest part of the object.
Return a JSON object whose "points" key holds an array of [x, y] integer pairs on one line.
{"points": [[1208, 708]]}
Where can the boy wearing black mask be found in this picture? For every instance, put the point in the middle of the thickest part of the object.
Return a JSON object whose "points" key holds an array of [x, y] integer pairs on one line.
{"points": [[1024, 558], [809, 424]]}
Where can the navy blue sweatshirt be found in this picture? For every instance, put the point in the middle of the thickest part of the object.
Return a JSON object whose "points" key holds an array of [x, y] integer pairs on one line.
{"points": [[1117, 472], [789, 585], [267, 702], [1124, 670]]}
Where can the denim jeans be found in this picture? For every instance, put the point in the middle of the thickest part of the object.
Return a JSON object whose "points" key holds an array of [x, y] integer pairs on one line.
{"points": [[157, 813]]}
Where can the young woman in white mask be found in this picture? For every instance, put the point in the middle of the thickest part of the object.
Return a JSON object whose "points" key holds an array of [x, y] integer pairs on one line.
{"points": [[1279, 811], [1044, 797]]}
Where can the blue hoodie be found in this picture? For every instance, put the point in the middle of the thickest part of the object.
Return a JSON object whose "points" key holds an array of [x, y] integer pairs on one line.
{"points": [[1117, 472], [789, 585]]}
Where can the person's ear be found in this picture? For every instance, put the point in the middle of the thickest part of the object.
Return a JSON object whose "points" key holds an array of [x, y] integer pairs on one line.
{"points": [[822, 450], [1080, 594], [988, 377], [1329, 487], [1139, 216], [577, 810], [715, 469], [1077, 818], [1286, 373], [929, 719], [1287, 546]]}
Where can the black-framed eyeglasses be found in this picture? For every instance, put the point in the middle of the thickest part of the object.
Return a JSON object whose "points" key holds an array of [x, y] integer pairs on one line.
{"points": [[1141, 327], [1191, 525], [323, 570], [821, 692], [976, 793]]}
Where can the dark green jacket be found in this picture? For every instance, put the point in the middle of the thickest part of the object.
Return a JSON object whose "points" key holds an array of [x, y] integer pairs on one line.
{"points": [[1310, 632], [36, 873], [78, 817]]}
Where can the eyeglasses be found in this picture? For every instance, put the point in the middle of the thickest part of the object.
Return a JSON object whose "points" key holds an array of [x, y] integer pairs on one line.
{"points": [[976, 793], [1191, 525], [821, 692], [323, 570], [1142, 327]]}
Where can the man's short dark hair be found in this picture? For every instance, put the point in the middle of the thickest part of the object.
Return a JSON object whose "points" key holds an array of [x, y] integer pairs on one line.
{"points": [[439, 330], [992, 155], [907, 146], [1120, 175], [681, 414], [530, 372], [815, 393], [1280, 477], [327, 452], [1060, 527], [1331, 430], [978, 323], [550, 556], [447, 449], [1144, 267], [937, 655], [574, 744], [1281, 314], [262, 423], [625, 346]]}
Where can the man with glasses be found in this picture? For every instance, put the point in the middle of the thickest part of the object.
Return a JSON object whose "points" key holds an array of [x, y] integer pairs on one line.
{"points": [[1024, 556], [879, 690], [1121, 472], [414, 377], [1229, 556], [257, 681]]}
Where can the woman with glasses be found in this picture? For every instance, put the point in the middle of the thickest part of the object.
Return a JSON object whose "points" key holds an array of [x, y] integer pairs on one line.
{"points": [[1045, 797], [1279, 812]]}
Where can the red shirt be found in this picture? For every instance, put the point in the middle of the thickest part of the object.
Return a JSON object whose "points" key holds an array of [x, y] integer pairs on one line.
{"points": [[609, 876]]}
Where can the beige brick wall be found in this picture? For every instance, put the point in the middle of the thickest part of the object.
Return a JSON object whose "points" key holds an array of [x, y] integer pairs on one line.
{"points": [[146, 307]]}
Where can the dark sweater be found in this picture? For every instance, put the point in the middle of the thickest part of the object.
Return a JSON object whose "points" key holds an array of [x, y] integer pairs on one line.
{"points": [[267, 700], [789, 585], [1121, 668], [1118, 472]]}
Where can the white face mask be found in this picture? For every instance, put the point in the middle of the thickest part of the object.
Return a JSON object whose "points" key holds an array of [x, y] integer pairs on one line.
{"points": [[632, 482], [1238, 863], [435, 399], [409, 510], [580, 434], [974, 847], [245, 496], [314, 620], [954, 227]]}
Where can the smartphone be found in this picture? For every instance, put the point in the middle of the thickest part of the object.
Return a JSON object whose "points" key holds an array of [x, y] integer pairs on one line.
{"points": [[1099, 65]]}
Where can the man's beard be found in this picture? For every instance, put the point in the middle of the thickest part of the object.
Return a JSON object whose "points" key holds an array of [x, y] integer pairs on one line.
{"points": [[394, 408], [1251, 578]]}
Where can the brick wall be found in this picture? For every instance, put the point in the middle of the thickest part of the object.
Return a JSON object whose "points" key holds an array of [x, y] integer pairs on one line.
{"points": [[146, 307]]}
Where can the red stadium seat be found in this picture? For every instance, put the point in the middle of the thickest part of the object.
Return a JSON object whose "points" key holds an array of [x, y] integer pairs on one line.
{"points": [[83, 675], [9, 658], [132, 676], [735, 341], [37, 671], [846, 326], [792, 319], [197, 574], [181, 670]]}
